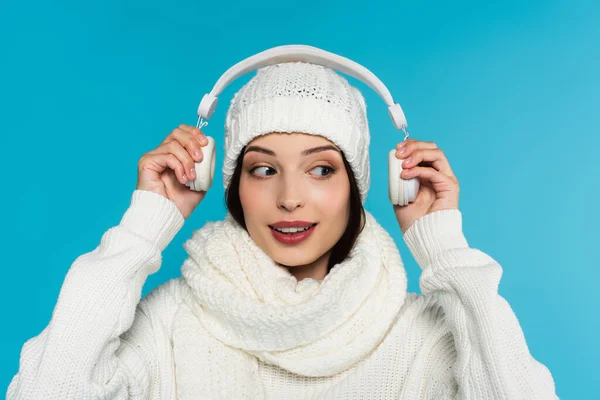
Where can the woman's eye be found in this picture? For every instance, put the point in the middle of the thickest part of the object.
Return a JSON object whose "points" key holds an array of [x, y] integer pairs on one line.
{"points": [[320, 171], [262, 171], [323, 170]]}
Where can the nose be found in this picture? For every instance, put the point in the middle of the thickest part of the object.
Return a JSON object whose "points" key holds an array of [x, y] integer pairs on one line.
{"points": [[290, 195]]}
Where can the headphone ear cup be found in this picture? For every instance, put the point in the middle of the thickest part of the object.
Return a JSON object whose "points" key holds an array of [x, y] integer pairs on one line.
{"points": [[401, 191], [205, 169]]}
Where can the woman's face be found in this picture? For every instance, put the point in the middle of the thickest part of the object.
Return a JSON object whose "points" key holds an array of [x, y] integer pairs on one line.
{"points": [[294, 177]]}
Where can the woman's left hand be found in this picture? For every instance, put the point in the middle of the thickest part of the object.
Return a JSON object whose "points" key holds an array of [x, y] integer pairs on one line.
{"points": [[439, 187]]}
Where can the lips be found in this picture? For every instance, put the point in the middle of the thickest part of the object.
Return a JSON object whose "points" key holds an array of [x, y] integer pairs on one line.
{"points": [[292, 232], [292, 224]]}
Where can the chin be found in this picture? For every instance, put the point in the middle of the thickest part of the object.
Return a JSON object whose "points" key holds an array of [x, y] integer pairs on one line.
{"points": [[294, 260], [298, 255]]}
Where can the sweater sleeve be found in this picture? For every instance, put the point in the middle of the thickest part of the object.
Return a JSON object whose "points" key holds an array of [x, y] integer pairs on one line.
{"points": [[493, 360], [78, 355]]}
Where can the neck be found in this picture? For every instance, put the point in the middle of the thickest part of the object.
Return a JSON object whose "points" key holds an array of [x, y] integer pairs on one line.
{"points": [[316, 270]]}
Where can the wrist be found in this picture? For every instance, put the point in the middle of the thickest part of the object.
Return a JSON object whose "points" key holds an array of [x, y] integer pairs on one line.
{"points": [[433, 234], [153, 217]]}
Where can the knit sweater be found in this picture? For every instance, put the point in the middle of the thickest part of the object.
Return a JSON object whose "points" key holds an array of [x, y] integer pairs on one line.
{"points": [[459, 339]]}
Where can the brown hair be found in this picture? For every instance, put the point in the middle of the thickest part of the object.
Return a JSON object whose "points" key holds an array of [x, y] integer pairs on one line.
{"points": [[355, 221]]}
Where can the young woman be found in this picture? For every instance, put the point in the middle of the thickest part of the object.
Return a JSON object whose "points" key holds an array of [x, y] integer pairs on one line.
{"points": [[298, 293]]}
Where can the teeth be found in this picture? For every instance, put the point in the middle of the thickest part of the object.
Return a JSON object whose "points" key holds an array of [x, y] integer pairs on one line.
{"points": [[291, 230]]}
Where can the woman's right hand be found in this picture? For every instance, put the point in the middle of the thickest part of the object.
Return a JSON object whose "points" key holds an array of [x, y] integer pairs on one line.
{"points": [[166, 169]]}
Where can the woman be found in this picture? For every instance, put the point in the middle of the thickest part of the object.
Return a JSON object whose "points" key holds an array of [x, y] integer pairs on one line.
{"points": [[299, 292]]}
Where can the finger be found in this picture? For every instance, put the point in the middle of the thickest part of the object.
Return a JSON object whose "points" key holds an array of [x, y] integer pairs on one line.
{"points": [[439, 181], [416, 144], [197, 133], [187, 141], [159, 162], [405, 148], [175, 148], [434, 157], [183, 133]]}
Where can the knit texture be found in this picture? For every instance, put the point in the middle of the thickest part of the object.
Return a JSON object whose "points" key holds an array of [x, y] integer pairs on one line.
{"points": [[311, 328], [304, 98], [459, 339]]}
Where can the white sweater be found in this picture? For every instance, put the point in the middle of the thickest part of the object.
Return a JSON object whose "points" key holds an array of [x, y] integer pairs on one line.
{"points": [[460, 339]]}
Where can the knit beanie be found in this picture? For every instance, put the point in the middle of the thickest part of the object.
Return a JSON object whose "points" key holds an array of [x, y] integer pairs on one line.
{"points": [[300, 97]]}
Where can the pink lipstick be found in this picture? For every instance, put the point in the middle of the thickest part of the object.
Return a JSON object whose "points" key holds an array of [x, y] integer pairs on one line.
{"points": [[292, 232]]}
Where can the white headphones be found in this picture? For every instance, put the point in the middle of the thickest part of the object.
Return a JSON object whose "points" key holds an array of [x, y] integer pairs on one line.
{"points": [[401, 191]]}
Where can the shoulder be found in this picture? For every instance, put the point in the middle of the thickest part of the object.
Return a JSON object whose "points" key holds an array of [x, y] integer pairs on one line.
{"points": [[162, 302], [432, 348], [425, 319], [424, 307]]}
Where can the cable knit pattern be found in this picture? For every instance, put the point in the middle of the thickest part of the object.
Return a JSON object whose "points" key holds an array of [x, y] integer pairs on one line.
{"points": [[494, 352], [300, 97], [230, 329]]}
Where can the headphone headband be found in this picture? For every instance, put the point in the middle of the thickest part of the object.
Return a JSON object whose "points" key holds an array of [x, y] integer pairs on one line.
{"points": [[302, 53]]}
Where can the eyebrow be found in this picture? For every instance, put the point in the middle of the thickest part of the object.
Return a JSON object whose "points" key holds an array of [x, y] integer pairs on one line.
{"points": [[306, 152]]}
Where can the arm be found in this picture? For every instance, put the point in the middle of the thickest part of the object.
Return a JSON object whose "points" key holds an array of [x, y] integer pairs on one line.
{"points": [[78, 355], [493, 360]]}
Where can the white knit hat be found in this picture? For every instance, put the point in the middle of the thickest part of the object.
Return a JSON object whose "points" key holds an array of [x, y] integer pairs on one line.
{"points": [[300, 97]]}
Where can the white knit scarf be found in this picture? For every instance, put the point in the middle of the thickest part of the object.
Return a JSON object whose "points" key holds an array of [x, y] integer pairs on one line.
{"points": [[244, 307]]}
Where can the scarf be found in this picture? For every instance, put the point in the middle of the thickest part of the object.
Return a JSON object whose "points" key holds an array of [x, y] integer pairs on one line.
{"points": [[242, 307]]}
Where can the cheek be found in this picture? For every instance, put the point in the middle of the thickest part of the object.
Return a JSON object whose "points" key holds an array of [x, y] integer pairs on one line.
{"points": [[332, 199], [252, 196]]}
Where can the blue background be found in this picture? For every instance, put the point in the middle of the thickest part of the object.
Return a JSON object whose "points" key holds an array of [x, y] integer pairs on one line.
{"points": [[508, 90]]}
